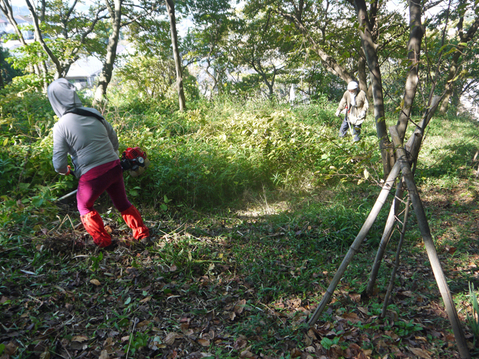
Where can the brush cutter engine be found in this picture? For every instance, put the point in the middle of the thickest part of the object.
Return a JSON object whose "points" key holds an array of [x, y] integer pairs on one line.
{"points": [[135, 160]]}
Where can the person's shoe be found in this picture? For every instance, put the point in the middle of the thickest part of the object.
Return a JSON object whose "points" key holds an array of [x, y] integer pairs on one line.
{"points": [[133, 219], [94, 226]]}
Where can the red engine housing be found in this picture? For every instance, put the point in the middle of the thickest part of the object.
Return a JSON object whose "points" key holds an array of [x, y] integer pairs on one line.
{"points": [[132, 153]]}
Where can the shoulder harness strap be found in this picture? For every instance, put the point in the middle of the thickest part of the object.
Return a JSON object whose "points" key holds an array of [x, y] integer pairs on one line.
{"points": [[83, 112]]}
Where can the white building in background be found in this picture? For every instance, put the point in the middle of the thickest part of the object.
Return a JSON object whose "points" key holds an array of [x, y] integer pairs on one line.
{"points": [[83, 72], [7, 28], [3, 26]]}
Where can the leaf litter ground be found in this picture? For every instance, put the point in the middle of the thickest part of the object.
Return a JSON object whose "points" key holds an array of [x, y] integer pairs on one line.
{"points": [[233, 287]]}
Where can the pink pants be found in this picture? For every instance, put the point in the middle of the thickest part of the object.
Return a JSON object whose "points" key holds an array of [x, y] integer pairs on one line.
{"points": [[90, 189]]}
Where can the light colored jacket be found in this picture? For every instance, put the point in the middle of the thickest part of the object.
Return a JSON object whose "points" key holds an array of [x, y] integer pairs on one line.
{"points": [[357, 113], [89, 141]]}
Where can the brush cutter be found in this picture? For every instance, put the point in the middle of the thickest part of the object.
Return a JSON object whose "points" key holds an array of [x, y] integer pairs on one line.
{"points": [[133, 159]]}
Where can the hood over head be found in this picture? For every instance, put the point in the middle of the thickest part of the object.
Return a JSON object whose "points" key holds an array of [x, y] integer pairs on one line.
{"points": [[63, 97]]}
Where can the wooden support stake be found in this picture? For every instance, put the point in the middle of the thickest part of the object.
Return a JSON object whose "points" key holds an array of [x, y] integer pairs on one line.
{"points": [[413, 145], [387, 233], [357, 242], [396, 262], [429, 244]]}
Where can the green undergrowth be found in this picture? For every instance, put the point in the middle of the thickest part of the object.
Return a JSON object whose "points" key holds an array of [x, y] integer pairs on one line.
{"points": [[214, 154]]}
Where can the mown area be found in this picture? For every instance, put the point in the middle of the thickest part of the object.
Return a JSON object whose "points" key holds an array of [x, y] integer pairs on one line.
{"points": [[252, 206]]}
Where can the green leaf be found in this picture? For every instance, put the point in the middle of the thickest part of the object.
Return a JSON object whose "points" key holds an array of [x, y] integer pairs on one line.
{"points": [[327, 343]]}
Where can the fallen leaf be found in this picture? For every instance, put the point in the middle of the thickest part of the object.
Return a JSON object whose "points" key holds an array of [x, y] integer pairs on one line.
{"points": [[246, 354], [424, 354], [79, 338], [295, 353], [95, 282], [103, 355], [355, 297], [450, 337], [143, 323], [170, 338], [363, 310], [451, 250], [10, 348], [352, 317], [239, 307], [240, 343], [204, 342]]}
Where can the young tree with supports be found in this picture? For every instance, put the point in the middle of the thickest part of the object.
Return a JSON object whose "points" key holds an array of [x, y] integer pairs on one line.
{"points": [[403, 164]]}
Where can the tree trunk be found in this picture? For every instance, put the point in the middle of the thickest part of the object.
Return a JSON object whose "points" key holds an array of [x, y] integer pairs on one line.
{"points": [[362, 75], [369, 48], [414, 47], [453, 68], [170, 5], [60, 70], [107, 69]]}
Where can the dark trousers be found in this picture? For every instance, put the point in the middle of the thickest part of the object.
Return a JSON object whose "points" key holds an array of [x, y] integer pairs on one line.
{"points": [[344, 129]]}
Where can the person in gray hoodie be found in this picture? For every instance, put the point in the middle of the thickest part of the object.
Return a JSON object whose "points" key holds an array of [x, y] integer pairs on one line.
{"points": [[92, 144]]}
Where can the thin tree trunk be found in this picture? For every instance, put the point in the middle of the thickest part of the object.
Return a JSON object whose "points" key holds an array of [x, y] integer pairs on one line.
{"points": [[176, 54], [7, 11], [328, 61], [362, 75], [414, 47], [60, 70], [454, 63], [107, 69], [370, 51]]}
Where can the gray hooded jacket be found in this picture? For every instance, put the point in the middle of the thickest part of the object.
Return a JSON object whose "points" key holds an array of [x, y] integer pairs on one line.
{"points": [[90, 142]]}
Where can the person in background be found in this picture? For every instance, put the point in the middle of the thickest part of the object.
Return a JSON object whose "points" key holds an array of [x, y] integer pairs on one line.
{"points": [[92, 144], [354, 105]]}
